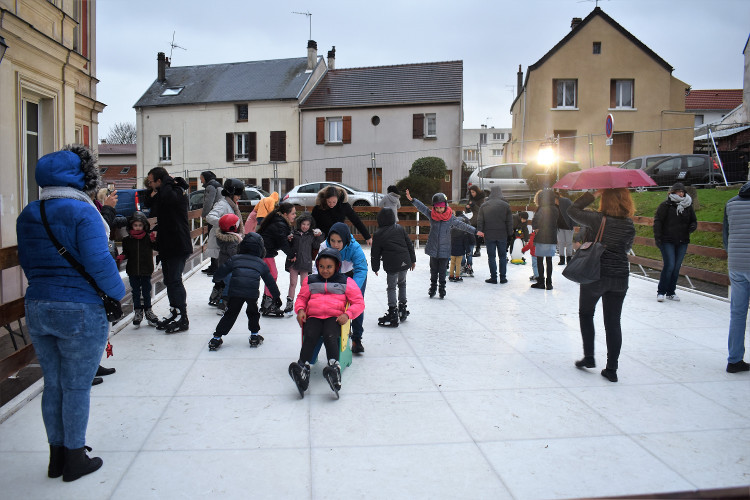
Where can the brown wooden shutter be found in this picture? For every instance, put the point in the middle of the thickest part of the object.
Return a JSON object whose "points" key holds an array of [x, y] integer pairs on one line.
{"points": [[320, 130], [632, 86], [612, 93], [554, 93], [278, 145], [230, 147], [347, 130], [418, 126], [576, 85], [265, 183], [289, 184], [252, 146]]}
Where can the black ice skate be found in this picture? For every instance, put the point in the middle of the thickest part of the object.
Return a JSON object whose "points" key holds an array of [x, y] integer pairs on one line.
{"points": [[332, 374], [180, 323], [467, 272], [274, 310], [214, 343], [289, 309], [301, 376], [390, 318], [441, 291], [255, 340], [137, 318], [161, 325], [432, 290], [215, 296], [265, 304], [403, 313]]}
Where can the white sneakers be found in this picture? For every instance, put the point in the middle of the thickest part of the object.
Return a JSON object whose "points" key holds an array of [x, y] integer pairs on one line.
{"points": [[673, 297], [660, 297]]}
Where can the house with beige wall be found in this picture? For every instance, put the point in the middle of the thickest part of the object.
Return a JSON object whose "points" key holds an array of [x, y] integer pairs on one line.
{"points": [[600, 68], [236, 119], [47, 93], [366, 126]]}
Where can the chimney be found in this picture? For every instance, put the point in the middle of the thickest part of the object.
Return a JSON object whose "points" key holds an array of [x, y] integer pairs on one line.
{"points": [[332, 58], [519, 83], [161, 67], [312, 54], [575, 22]]}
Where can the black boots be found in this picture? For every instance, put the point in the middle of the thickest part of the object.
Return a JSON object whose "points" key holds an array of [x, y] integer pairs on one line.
{"points": [[403, 312], [56, 461], [180, 323], [441, 290], [562, 261], [539, 283], [78, 464], [432, 290], [161, 325], [390, 318]]}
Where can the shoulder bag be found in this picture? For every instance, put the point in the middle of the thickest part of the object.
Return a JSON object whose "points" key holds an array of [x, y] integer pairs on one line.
{"points": [[111, 306], [585, 265]]}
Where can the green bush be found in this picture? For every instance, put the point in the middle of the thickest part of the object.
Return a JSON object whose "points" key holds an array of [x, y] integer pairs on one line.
{"points": [[431, 167], [419, 187]]}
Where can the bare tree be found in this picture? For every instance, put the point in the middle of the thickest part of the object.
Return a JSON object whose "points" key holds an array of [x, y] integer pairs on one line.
{"points": [[122, 133]]}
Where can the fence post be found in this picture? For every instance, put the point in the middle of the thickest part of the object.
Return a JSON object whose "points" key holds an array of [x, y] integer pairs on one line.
{"points": [[417, 240]]}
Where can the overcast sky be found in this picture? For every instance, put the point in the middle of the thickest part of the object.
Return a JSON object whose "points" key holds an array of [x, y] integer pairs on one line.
{"points": [[702, 40]]}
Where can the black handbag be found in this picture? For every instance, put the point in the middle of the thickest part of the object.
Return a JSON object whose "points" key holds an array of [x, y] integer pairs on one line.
{"points": [[112, 307], [585, 265]]}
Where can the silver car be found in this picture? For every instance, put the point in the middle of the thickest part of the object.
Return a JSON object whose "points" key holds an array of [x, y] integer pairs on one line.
{"points": [[306, 194], [506, 175]]}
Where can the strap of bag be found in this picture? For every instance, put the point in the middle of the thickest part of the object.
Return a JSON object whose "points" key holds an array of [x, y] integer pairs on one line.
{"points": [[601, 229], [64, 252]]}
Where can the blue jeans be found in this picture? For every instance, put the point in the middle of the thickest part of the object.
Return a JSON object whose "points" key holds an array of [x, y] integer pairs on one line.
{"points": [[69, 340], [499, 248], [357, 323], [672, 255], [740, 300], [141, 286]]}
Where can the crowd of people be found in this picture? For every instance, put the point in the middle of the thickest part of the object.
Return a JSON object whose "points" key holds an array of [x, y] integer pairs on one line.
{"points": [[69, 326]]}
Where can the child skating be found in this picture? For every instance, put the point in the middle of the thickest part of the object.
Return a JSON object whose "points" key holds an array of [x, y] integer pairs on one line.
{"points": [[391, 244], [439, 242], [228, 239], [247, 269], [321, 309], [306, 239]]}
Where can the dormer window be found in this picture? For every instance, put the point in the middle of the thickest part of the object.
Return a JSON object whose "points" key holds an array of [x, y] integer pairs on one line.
{"points": [[171, 91]]}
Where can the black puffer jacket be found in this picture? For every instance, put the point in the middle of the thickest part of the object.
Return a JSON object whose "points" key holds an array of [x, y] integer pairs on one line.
{"points": [[671, 227], [545, 219], [247, 269], [170, 207], [304, 244], [392, 244], [326, 217], [275, 232], [618, 236]]}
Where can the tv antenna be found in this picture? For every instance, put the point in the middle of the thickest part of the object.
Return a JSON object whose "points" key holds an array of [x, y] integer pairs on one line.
{"points": [[174, 46], [309, 18], [596, 2]]}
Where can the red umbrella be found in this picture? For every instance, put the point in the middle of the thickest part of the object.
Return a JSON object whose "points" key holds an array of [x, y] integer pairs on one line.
{"points": [[604, 177]]}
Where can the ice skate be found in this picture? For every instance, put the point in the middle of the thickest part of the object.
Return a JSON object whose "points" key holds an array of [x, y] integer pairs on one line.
{"points": [[441, 291], [403, 313], [255, 340], [467, 272], [301, 376], [432, 290], [221, 307], [289, 309], [162, 324], [215, 296], [180, 323], [214, 343], [332, 374], [151, 318], [390, 318], [274, 310], [137, 318], [265, 304]]}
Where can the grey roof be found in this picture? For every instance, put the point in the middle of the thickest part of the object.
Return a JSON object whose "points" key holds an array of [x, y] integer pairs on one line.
{"points": [[116, 149], [434, 82], [230, 82]]}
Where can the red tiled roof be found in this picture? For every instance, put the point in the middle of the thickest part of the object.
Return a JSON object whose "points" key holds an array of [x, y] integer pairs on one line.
{"points": [[713, 99]]}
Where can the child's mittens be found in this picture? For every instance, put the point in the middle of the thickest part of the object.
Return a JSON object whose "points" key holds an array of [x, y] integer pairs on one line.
{"points": [[152, 237], [342, 319], [120, 258]]}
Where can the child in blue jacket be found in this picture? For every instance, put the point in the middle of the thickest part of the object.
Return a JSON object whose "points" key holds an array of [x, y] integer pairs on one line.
{"points": [[439, 242]]}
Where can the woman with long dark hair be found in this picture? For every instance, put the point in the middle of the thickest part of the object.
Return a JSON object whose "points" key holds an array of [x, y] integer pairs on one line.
{"points": [[476, 198], [616, 210], [331, 207]]}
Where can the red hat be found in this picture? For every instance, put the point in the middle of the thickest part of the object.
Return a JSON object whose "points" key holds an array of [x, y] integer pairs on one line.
{"points": [[228, 223]]}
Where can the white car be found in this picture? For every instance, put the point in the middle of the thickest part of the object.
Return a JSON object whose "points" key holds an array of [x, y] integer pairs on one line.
{"points": [[306, 194]]}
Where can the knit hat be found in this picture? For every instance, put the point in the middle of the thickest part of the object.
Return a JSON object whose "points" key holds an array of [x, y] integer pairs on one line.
{"points": [[139, 217], [228, 223], [677, 186]]}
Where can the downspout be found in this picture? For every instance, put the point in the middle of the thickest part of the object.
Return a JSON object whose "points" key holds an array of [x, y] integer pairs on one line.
{"points": [[523, 126]]}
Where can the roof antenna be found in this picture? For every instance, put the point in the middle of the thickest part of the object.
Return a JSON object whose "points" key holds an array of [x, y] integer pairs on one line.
{"points": [[309, 17], [174, 46]]}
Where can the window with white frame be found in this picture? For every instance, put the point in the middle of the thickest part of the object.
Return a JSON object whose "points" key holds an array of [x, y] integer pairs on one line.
{"points": [[430, 125], [335, 129], [241, 146], [165, 148], [565, 94], [470, 155], [498, 136], [623, 93], [482, 139], [497, 152]]}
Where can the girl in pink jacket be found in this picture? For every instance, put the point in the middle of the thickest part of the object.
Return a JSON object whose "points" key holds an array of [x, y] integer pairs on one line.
{"points": [[321, 310]]}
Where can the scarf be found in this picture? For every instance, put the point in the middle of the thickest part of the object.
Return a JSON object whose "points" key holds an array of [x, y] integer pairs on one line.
{"points": [[138, 235], [52, 192], [442, 217], [682, 202]]}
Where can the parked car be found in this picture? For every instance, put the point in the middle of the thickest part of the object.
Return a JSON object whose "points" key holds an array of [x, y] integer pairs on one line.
{"points": [[306, 194], [688, 169], [126, 203], [252, 196], [506, 175], [643, 162]]}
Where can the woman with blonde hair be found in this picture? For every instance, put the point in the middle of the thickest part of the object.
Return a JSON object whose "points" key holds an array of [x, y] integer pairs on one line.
{"points": [[616, 210]]}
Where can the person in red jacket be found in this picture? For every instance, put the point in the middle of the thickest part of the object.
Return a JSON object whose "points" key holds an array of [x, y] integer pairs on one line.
{"points": [[529, 247], [321, 309]]}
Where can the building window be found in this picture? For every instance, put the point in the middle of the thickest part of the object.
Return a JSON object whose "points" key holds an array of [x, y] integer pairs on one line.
{"points": [[242, 112], [125, 170], [470, 155], [241, 146], [431, 125], [165, 148], [103, 170], [278, 146], [498, 136], [483, 139], [621, 94], [497, 152], [698, 120], [564, 94], [172, 91], [333, 130], [597, 47]]}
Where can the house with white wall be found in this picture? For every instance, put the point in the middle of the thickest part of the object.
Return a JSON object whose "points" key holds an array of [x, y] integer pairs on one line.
{"points": [[484, 146], [366, 126]]}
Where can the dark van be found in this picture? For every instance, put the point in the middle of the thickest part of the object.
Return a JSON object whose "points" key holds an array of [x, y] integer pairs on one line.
{"points": [[126, 201]]}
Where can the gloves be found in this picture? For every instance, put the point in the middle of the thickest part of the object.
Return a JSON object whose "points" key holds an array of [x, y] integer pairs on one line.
{"points": [[120, 258], [277, 302]]}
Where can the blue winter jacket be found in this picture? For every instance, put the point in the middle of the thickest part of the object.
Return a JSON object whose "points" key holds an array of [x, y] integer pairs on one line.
{"points": [[351, 252], [439, 242], [79, 227]]}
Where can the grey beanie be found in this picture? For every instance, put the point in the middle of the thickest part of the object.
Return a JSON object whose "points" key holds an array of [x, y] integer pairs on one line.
{"points": [[677, 186]]}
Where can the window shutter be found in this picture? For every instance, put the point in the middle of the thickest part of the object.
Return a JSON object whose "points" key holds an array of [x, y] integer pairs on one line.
{"points": [[278, 146], [347, 133], [265, 183], [554, 93], [418, 126], [230, 147], [632, 89], [612, 93], [252, 147], [320, 130], [575, 104]]}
